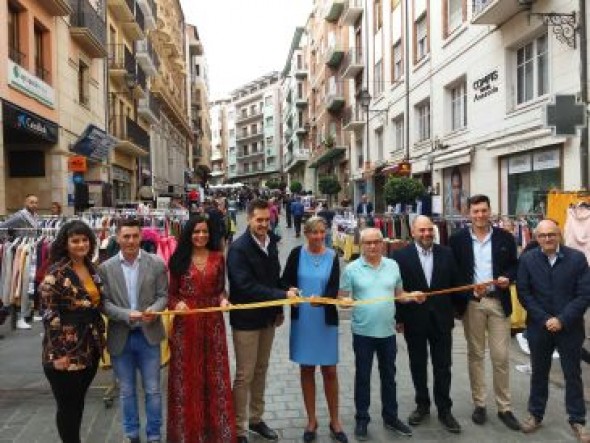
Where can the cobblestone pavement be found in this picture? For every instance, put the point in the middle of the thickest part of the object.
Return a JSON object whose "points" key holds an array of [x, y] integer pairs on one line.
{"points": [[27, 407]]}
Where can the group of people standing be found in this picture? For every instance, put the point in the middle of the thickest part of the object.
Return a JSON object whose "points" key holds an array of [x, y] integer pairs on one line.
{"points": [[133, 287]]}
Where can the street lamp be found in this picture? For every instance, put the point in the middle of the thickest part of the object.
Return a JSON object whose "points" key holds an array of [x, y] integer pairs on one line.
{"points": [[364, 98]]}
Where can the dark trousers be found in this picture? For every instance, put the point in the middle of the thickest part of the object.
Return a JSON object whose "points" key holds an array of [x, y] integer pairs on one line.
{"points": [[569, 344], [297, 221], [69, 390], [289, 218], [440, 352], [364, 349]]}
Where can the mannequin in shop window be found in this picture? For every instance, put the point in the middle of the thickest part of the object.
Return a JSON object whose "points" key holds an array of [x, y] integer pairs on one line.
{"points": [[456, 196]]}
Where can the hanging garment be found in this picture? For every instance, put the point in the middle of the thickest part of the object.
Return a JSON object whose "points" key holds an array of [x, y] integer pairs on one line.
{"points": [[577, 229]]}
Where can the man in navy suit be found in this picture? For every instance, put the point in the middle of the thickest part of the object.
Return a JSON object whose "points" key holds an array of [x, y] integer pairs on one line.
{"points": [[554, 286], [424, 267], [484, 253], [365, 207]]}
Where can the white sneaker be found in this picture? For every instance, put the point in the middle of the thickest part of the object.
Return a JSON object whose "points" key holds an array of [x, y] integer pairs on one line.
{"points": [[525, 369], [21, 324], [555, 355], [523, 343]]}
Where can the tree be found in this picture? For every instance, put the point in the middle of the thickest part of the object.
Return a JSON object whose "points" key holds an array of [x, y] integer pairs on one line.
{"points": [[404, 190], [273, 183], [330, 186], [296, 187]]}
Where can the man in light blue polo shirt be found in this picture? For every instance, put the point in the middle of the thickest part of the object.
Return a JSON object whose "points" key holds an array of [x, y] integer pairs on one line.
{"points": [[373, 329]]}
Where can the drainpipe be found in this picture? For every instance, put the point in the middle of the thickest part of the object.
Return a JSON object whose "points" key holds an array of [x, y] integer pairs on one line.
{"points": [[407, 82], [584, 93]]}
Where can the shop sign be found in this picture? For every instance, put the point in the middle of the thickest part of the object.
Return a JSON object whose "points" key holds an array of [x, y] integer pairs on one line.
{"points": [[94, 143], [122, 175], [565, 114], [77, 163], [486, 85], [519, 164], [21, 79], [24, 121], [546, 160]]}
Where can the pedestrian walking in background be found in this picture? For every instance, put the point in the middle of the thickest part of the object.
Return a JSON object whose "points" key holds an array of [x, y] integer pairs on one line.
{"points": [[288, 216], [200, 405], [135, 286], [554, 287], [315, 271], [484, 253], [26, 218], [297, 210], [73, 327]]}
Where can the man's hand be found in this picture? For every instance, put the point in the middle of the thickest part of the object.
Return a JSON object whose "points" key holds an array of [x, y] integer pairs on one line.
{"points": [[224, 303], [148, 315], [502, 282], [418, 297], [347, 302], [279, 320], [479, 291], [399, 328], [61, 364], [135, 316], [292, 293], [181, 306], [553, 325]]}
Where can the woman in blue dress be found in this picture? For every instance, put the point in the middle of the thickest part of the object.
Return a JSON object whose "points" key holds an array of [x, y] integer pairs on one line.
{"points": [[315, 270]]}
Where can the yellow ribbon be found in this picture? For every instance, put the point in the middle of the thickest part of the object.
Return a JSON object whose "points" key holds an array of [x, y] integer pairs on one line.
{"points": [[320, 301]]}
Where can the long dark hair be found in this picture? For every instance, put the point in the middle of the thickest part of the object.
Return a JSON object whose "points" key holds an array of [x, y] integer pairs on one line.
{"points": [[182, 256], [59, 248]]}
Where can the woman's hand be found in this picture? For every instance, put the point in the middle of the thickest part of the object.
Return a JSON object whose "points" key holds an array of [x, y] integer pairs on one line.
{"points": [[181, 306], [62, 364], [312, 301], [224, 303]]}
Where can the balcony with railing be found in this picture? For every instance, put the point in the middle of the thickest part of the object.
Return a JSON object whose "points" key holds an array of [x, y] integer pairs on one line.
{"points": [[335, 97], [141, 89], [121, 62], [149, 108], [122, 10], [300, 98], [247, 153], [353, 118], [334, 55], [249, 116], [57, 8], [331, 147], [333, 10], [301, 70], [295, 157], [146, 56], [133, 139], [352, 63], [494, 12], [353, 9], [88, 29]]}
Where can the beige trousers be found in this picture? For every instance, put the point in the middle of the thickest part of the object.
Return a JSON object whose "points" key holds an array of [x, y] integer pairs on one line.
{"points": [[252, 349], [486, 318]]}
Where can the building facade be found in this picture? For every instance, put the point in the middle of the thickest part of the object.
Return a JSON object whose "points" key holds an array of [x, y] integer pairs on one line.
{"points": [[255, 117], [220, 140]]}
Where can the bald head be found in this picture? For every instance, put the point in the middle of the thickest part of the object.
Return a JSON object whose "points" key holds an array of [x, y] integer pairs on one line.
{"points": [[548, 235], [423, 231]]}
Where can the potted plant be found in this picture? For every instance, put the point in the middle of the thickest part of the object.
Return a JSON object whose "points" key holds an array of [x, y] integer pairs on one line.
{"points": [[404, 190], [329, 141], [296, 187], [329, 185]]}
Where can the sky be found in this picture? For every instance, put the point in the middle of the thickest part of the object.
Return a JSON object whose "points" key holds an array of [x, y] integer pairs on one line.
{"points": [[244, 39]]}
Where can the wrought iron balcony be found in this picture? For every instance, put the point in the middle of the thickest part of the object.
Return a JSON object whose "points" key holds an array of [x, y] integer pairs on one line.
{"points": [[353, 9], [334, 55], [149, 108], [353, 63], [494, 12], [133, 139], [147, 57], [333, 10], [353, 118], [335, 98], [88, 29]]}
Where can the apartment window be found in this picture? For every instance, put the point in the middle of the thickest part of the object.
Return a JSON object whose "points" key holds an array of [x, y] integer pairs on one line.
{"points": [[254, 148], [423, 116], [377, 16], [454, 15], [421, 38], [379, 139], [269, 142], [232, 168], [232, 133], [252, 109], [269, 121], [458, 95], [14, 35], [244, 132], [230, 115], [270, 161], [197, 70], [532, 71], [39, 37], [253, 129], [246, 167], [83, 83], [244, 112], [268, 101], [378, 75], [398, 64], [398, 133]]}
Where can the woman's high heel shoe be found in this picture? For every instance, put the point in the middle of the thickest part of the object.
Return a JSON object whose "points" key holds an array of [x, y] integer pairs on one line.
{"points": [[338, 436], [309, 436]]}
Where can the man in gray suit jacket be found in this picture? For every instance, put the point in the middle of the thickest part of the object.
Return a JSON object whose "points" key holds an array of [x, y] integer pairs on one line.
{"points": [[135, 286]]}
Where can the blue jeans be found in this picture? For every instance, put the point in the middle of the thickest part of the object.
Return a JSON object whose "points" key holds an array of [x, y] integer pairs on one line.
{"points": [[364, 349], [139, 354]]}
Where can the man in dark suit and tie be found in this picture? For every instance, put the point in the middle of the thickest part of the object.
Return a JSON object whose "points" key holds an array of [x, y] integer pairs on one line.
{"points": [[365, 207], [424, 267]]}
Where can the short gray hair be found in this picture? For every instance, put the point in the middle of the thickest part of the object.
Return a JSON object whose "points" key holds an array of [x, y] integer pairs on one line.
{"points": [[312, 223], [367, 231]]}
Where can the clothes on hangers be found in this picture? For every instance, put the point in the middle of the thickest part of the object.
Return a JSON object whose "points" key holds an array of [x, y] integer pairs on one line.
{"points": [[577, 229]]}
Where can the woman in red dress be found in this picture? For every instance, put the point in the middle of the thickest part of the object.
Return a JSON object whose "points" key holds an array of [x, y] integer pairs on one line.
{"points": [[200, 407]]}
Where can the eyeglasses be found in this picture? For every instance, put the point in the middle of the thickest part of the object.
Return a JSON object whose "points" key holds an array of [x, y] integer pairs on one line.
{"points": [[372, 242], [549, 235]]}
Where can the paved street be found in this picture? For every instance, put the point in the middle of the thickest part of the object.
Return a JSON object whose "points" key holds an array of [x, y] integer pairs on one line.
{"points": [[27, 408]]}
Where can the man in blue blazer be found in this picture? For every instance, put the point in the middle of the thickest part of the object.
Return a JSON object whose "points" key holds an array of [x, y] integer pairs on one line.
{"points": [[554, 286], [424, 267], [484, 253]]}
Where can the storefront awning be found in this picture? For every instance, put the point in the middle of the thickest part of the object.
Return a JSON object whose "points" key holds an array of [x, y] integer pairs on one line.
{"points": [[458, 157], [524, 142]]}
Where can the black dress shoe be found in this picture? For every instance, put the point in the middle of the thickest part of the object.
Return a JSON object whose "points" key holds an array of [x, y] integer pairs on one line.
{"points": [[398, 426], [509, 420], [449, 422], [360, 431], [338, 436], [264, 431], [242, 439], [418, 416], [309, 436], [479, 415]]}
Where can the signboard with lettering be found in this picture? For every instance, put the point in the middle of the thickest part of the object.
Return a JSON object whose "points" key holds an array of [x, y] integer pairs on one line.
{"points": [[486, 85], [26, 122], [27, 83], [546, 160], [94, 143], [77, 163], [519, 164]]}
